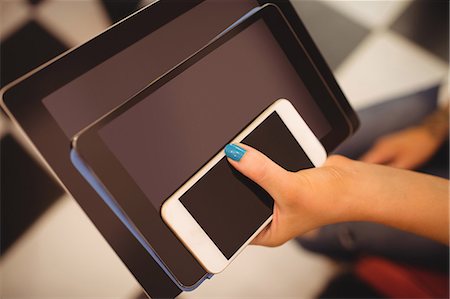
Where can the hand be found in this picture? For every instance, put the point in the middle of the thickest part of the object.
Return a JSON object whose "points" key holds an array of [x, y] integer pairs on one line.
{"points": [[345, 190], [301, 202], [407, 149]]}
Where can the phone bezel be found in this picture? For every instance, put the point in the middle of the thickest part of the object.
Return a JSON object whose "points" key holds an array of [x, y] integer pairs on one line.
{"points": [[189, 231]]}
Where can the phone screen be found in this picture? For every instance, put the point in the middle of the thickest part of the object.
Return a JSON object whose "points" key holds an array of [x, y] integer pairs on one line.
{"points": [[227, 205]]}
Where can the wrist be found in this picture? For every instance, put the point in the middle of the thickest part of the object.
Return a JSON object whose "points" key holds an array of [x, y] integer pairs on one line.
{"points": [[437, 125], [367, 191], [348, 199]]}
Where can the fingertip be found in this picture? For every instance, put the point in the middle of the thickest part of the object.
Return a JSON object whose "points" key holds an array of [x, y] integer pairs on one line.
{"points": [[242, 156], [260, 169], [234, 152], [233, 163]]}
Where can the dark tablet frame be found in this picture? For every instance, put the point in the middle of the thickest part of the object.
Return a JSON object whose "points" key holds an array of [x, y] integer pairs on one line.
{"points": [[95, 155], [22, 100]]}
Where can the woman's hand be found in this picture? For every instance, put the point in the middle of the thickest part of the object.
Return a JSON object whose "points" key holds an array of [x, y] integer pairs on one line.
{"points": [[344, 190], [302, 202], [407, 149]]}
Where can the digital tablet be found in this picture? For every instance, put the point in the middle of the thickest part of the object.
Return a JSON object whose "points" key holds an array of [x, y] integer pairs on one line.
{"points": [[146, 148], [216, 213], [55, 101]]}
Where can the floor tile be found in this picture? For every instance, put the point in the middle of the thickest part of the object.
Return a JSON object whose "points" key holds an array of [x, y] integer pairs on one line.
{"points": [[64, 256], [372, 14], [386, 66], [335, 34], [261, 272], [13, 14], [427, 24], [26, 191], [35, 2], [119, 9], [143, 3], [16, 56], [62, 18]]}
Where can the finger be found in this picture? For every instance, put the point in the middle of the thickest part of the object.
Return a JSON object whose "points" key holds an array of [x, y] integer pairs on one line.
{"points": [[378, 155], [267, 237], [261, 238], [259, 168]]}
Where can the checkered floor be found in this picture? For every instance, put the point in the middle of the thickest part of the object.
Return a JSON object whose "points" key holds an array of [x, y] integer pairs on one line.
{"points": [[377, 49]]}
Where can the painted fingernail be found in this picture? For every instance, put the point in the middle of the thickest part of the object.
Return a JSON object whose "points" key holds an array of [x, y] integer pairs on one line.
{"points": [[234, 152]]}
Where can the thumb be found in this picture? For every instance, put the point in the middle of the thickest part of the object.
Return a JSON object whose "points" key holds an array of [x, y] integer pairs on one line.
{"points": [[259, 168]]}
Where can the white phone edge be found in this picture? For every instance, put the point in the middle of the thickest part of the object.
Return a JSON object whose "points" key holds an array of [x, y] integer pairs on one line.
{"points": [[187, 229]]}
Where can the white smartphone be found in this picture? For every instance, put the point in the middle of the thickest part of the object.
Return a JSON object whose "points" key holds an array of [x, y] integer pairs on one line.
{"points": [[217, 212]]}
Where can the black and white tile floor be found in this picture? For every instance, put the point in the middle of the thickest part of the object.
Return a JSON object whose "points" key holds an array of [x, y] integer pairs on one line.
{"points": [[377, 49]]}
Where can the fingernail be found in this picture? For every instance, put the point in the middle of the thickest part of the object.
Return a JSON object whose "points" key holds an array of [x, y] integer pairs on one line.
{"points": [[234, 152]]}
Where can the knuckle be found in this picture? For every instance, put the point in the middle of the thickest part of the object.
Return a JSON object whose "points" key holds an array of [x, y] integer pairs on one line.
{"points": [[336, 160]]}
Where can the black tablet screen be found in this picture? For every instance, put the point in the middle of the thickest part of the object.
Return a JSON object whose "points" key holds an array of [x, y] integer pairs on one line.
{"points": [[166, 137], [228, 206]]}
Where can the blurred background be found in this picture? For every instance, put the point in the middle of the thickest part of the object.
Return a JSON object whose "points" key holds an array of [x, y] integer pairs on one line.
{"points": [[381, 52]]}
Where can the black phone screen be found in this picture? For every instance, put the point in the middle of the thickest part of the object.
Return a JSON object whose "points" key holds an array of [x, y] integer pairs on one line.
{"points": [[227, 205]]}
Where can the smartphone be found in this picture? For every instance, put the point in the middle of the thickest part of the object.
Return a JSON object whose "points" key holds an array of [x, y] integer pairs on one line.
{"points": [[217, 212]]}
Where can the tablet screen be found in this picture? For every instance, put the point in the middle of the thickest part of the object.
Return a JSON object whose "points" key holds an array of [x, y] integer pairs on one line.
{"points": [[171, 133], [228, 206]]}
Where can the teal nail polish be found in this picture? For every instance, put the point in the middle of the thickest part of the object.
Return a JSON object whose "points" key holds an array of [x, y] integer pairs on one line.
{"points": [[234, 152]]}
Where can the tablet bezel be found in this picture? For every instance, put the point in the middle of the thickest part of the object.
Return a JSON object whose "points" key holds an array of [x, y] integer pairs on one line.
{"points": [[22, 101], [282, 31], [185, 226]]}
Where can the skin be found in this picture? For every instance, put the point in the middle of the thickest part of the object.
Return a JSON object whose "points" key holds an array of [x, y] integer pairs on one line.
{"points": [[407, 149], [412, 147], [344, 190]]}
